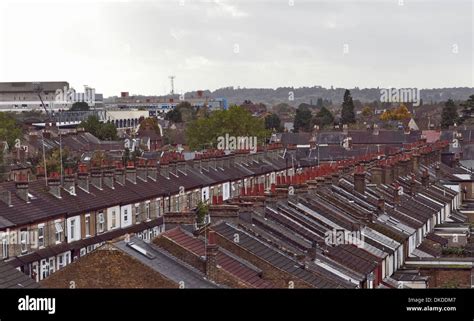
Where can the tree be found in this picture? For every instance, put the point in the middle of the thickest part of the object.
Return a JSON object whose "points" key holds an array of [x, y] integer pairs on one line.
{"points": [[103, 131], [347, 113], [235, 121], [468, 108], [10, 129], [80, 106], [320, 103], [323, 118], [201, 211], [449, 115], [367, 111], [187, 111], [302, 121], [174, 116], [399, 113], [272, 121]]}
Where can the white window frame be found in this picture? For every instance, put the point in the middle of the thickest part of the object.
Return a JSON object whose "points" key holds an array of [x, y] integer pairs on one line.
{"points": [[147, 211], [101, 219], [41, 238], [87, 223], [58, 231], [5, 247], [24, 241], [72, 226]]}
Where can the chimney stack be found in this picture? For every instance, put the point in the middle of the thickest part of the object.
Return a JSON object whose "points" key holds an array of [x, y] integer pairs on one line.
{"points": [[376, 177], [6, 198], [131, 173], [152, 170], [69, 181], [83, 178], [359, 180], [211, 256], [381, 204], [119, 173], [21, 183], [164, 167], [142, 170], [396, 193], [96, 177], [54, 184], [108, 177]]}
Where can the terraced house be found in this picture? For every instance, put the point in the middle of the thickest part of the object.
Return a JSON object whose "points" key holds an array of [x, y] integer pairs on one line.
{"points": [[47, 224]]}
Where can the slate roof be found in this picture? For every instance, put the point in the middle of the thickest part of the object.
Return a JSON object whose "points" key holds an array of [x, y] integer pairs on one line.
{"points": [[11, 278]]}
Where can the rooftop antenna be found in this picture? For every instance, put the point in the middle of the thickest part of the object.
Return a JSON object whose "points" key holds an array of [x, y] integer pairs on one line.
{"points": [[172, 84]]}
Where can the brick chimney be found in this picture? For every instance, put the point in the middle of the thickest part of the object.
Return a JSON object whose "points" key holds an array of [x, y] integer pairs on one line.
{"points": [[359, 180], [211, 256], [119, 173], [425, 178], [376, 175], [131, 173], [381, 205], [396, 193], [142, 170], [96, 177], [415, 162], [21, 184], [6, 198], [69, 181], [108, 177], [181, 164], [83, 178], [54, 184], [152, 170], [164, 168]]}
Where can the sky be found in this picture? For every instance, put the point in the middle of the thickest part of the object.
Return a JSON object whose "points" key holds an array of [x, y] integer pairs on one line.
{"points": [[135, 46]]}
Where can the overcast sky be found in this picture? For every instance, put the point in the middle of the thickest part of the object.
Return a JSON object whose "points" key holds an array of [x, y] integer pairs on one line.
{"points": [[134, 46]]}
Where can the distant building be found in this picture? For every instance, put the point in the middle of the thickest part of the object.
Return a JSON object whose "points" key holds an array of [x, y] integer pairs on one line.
{"points": [[23, 96]]}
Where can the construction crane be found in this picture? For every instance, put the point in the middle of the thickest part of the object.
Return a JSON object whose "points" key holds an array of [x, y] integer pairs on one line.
{"points": [[50, 119]]}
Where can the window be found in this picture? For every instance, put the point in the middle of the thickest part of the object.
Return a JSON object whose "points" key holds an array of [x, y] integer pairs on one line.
{"points": [[60, 261], [72, 229], [114, 219], [137, 213], [125, 215], [51, 265], [58, 231], [158, 207], [41, 235], [87, 223], [24, 240], [4, 248], [147, 210], [101, 221]]}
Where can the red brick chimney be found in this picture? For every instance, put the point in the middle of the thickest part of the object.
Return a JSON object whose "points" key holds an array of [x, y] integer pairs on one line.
{"points": [[54, 184], [359, 180], [83, 178], [211, 256], [21, 184]]}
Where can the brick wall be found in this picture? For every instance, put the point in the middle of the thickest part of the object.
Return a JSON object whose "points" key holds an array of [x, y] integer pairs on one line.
{"points": [[181, 253], [442, 278]]}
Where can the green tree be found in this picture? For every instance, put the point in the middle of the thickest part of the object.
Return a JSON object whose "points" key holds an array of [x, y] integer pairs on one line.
{"points": [[236, 121], [468, 108], [174, 116], [272, 121], [302, 121], [320, 103], [80, 106], [324, 118], [347, 113], [201, 211], [188, 112], [10, 129], [103, 131], [449, 115]]}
